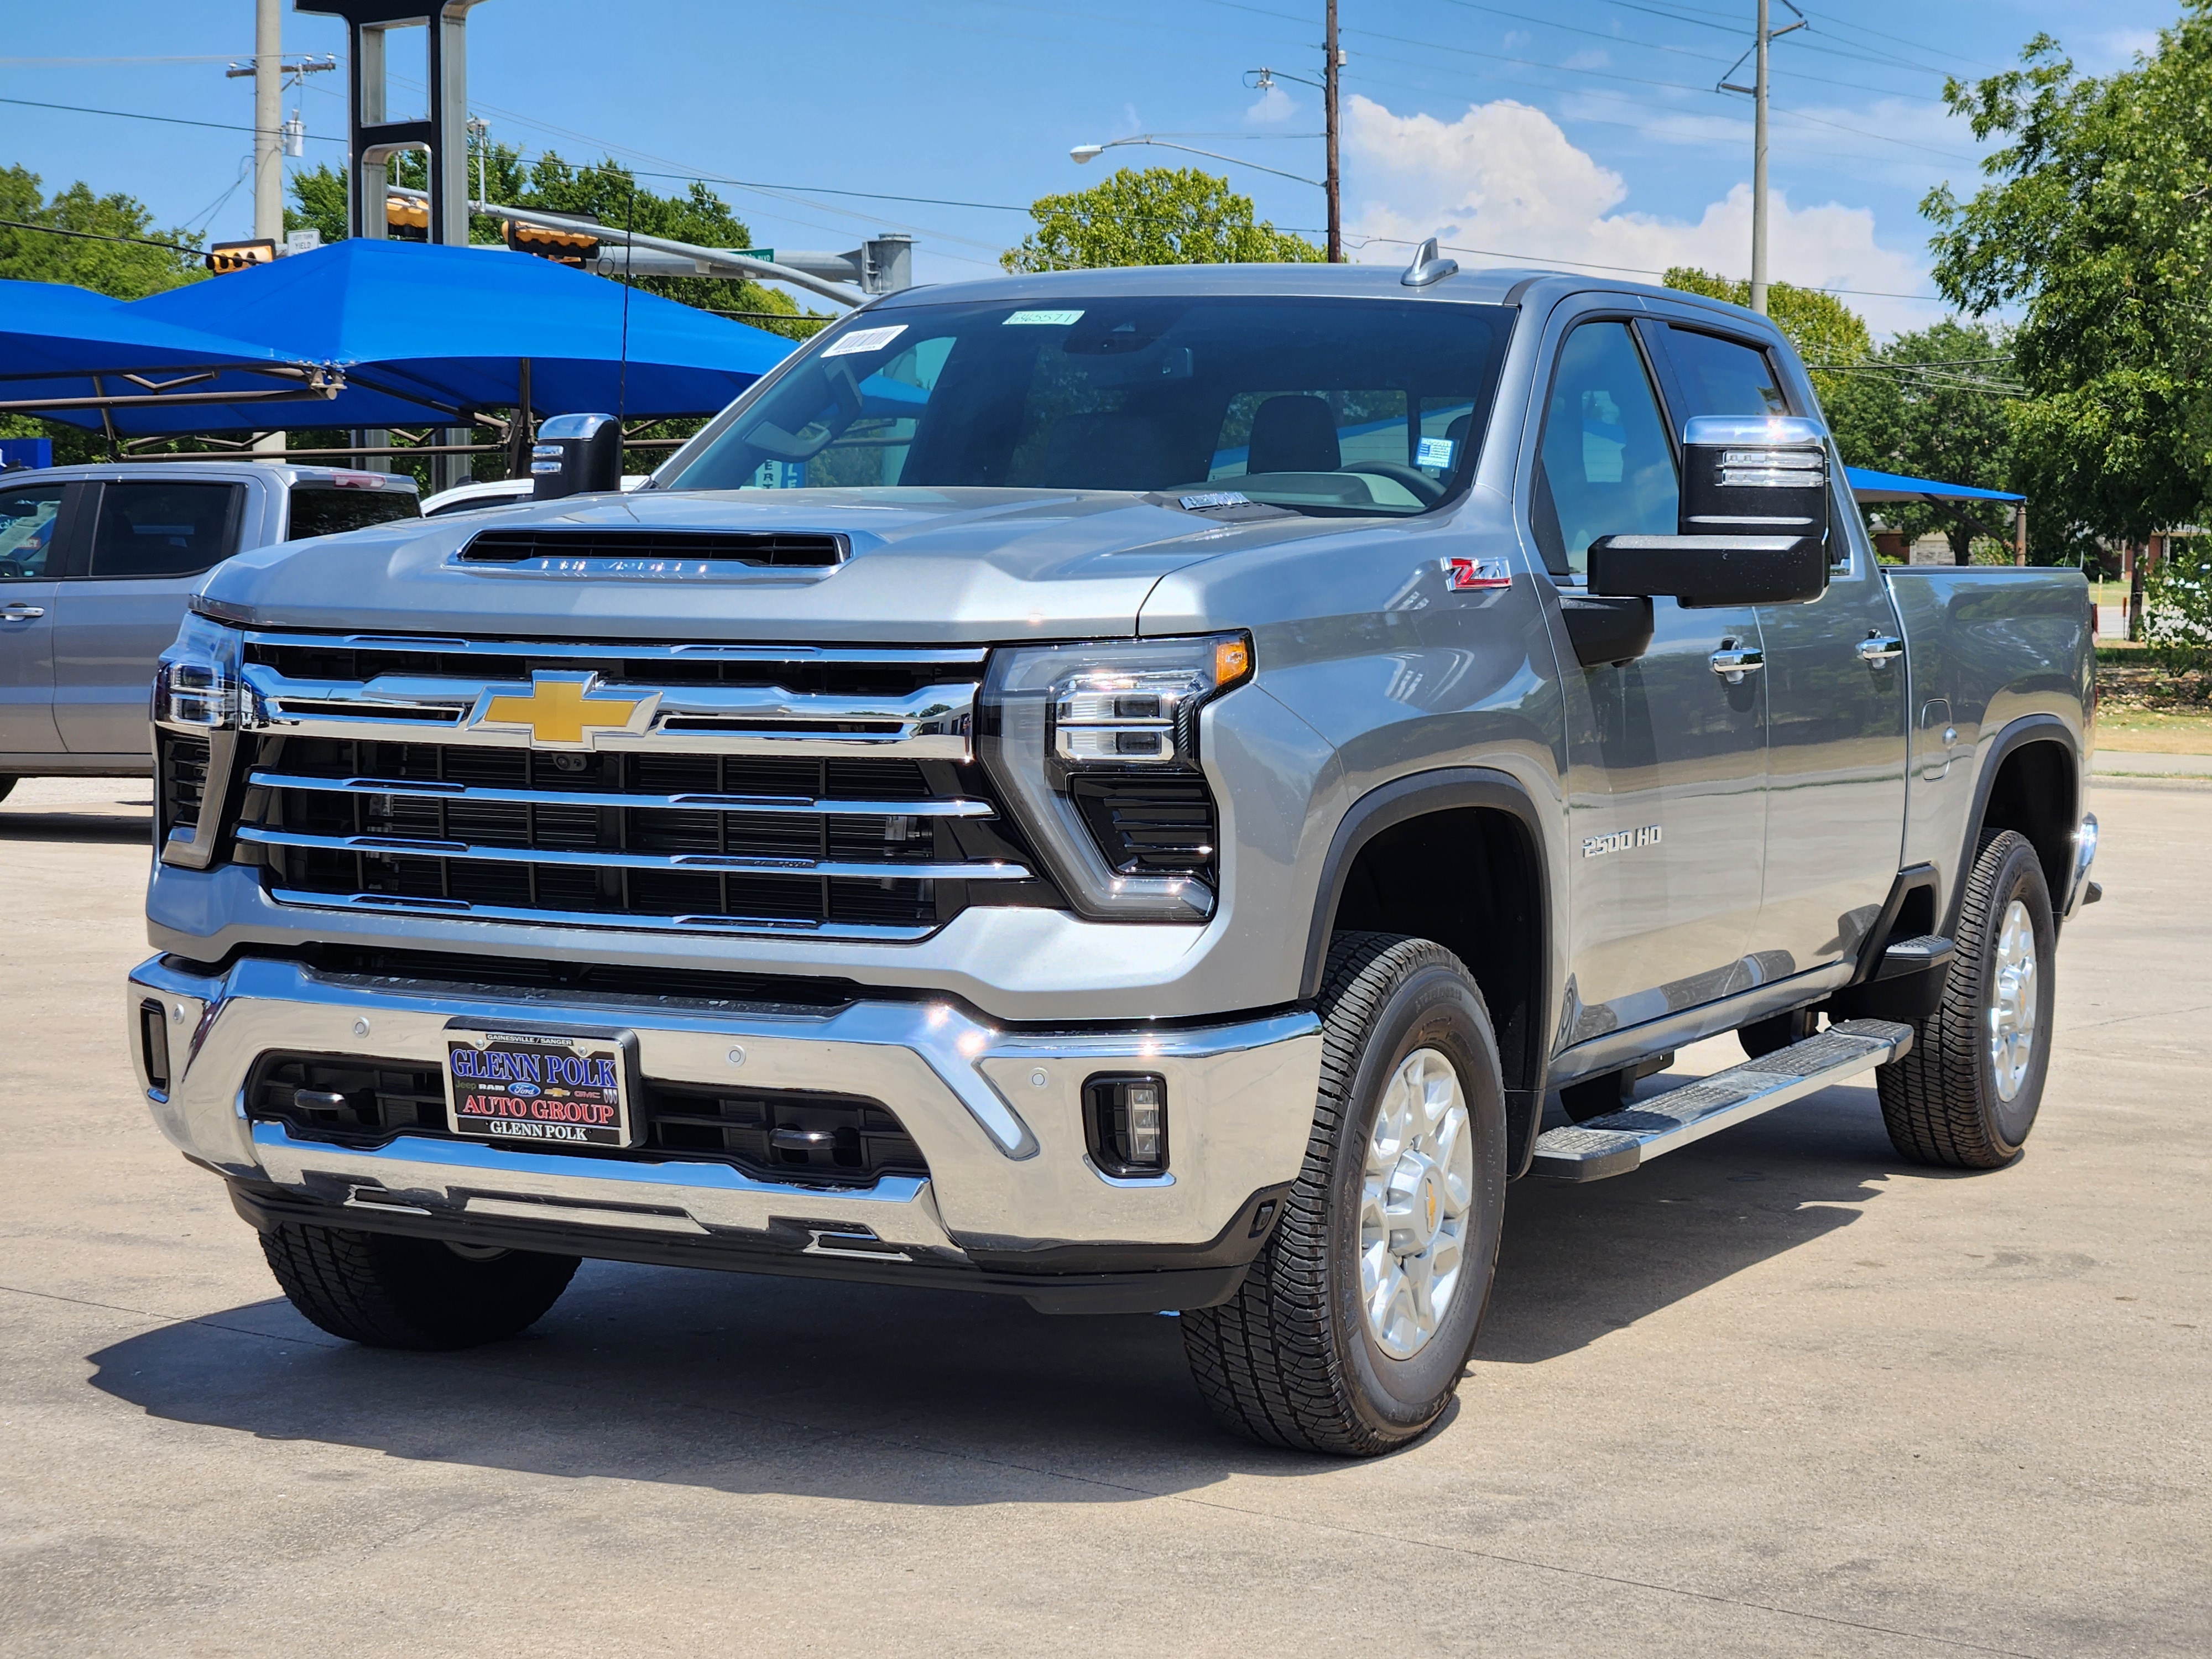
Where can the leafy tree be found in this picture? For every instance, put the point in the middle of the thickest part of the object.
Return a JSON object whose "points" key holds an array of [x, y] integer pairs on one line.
{"points": [[2095, 226], [607, 192], [1822, 327], [2177, 607], [1158, 216], [1930, 404]]}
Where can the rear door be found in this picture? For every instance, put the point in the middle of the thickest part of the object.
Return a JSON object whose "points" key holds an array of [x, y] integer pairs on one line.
{"points": [[152, 539], [1835, 735], [30, 549]]}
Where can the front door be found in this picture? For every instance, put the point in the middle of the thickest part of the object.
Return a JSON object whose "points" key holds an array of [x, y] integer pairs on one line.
{"points": [[1835, 734], [1666, 774], [30, 519], [151, 543]]}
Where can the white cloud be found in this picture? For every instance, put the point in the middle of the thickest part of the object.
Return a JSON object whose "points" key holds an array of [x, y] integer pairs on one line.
{"points": [[1272, 107], [1504, 176]]}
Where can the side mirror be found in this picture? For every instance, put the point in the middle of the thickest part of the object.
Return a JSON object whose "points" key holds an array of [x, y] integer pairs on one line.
{"points": [[575, 454], [1754, 524]]}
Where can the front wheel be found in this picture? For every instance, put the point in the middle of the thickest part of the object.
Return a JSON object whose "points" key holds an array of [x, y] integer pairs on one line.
{"points": [[1350, 1330], [386, 1292], [1966, 1093]]}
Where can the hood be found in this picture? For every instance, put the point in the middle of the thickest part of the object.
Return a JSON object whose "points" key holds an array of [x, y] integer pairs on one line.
{"points": [[927, 566]]}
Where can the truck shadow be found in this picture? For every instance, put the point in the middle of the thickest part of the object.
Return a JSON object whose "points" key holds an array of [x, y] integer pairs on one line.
{"points": [[764, 1385], [66, 826]]}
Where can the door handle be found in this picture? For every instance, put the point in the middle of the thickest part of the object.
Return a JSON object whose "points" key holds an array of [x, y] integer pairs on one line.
{"points": [[21, 612], [1733, 662], [1878, 648]]}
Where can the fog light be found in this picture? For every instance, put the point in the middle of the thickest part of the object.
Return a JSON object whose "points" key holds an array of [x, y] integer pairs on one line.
{"points": [[1125, 1117]]}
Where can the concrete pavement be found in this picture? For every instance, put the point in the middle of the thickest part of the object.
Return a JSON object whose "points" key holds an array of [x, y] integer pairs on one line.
{"points": [[1780, 1392]]}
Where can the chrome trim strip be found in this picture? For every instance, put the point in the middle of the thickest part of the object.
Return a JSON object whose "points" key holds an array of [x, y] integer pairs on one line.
{"points": [[688, 650], [396, 905], [719, 863], [931, 721], [431, 789]]}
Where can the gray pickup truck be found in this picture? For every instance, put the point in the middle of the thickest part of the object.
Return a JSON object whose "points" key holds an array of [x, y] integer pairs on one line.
{"points": [[1158, 789], [97, 564]]}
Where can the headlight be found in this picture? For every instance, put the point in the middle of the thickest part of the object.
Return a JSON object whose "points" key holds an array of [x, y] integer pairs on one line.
{"points": [[1095, 749], [198, 684]]}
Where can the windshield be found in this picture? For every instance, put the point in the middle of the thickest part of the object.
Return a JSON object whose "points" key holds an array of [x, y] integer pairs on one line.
{"points": [[1322, 405]]}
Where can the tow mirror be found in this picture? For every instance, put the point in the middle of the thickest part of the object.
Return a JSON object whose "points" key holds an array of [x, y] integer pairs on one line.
{"points": [[1754, 524], [575, 454]]}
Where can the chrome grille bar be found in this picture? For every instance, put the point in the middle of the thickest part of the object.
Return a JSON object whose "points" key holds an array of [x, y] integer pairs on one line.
{"points": [[629, 921], [687, 650], [431, 789], [710, 863]]}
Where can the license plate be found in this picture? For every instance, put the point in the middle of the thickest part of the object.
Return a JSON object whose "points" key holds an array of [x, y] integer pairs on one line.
{"points": [[540, 1088]]}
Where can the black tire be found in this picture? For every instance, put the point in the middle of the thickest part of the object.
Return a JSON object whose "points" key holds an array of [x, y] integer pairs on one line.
{"points": [[6, 785], [1763, 1038], [1291, 1360], [1943, 1102], [386, 1292]]}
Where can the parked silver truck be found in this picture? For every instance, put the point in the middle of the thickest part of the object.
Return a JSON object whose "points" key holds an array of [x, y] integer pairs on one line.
{"points": [[1157, 789], [97, 563]]}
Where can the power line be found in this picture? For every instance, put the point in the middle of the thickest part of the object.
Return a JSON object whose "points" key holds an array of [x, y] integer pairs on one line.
{"points": [[99, 236], [166, 120]]}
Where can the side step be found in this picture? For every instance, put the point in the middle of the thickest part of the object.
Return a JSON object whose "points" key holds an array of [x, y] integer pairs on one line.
{"points": [[1620, 1141]]}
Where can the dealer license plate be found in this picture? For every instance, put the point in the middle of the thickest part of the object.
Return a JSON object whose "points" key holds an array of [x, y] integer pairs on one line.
{"points": [[538, 1089]]}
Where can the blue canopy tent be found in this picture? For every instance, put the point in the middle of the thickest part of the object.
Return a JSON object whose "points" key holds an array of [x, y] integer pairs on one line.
{"points": [[1870, 487], [70, 354], [422, 334]]}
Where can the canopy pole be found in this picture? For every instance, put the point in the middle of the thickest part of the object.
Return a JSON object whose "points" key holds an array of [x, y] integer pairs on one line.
{"points": [[518, 438], [2020, 533]]}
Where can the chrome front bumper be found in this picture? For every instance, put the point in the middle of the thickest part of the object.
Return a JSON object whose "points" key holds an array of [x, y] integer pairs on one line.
{"points": [[997, 1116]]}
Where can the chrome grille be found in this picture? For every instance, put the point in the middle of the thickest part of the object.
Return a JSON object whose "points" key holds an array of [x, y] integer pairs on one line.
{"points": [[387, 773]]}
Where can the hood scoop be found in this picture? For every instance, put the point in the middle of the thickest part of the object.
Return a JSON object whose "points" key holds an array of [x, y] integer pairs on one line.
{"points": [[558, 550]]}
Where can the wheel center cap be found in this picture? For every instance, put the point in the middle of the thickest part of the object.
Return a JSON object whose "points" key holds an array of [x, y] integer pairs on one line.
{"points": [[1428, 1205]]}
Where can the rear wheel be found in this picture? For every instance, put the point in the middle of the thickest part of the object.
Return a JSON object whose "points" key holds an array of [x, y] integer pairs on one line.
{"points": [[1967, 1094], [1351, 1331], [386, 1292]]}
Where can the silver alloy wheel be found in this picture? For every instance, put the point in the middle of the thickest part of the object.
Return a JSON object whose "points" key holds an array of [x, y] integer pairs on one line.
{"points": [[1418, 1187], [2013, 1001]]}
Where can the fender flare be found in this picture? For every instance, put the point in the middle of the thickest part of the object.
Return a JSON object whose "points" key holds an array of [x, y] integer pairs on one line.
{"points": [[1418, 795], [2016, 735]]}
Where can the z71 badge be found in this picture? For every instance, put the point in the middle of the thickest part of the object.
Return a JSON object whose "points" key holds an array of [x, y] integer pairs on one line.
{"points": [[1620, 840], [1473, 575]]}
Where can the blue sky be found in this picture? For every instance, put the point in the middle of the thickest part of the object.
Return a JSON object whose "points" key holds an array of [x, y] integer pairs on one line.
{"points": [[1549, 129]]}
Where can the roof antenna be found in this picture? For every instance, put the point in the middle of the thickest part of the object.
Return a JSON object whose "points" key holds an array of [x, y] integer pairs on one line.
{"points": [[1428, 267]]}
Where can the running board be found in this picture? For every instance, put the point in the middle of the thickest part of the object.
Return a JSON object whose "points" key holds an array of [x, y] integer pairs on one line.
{"points": [[1620, 1141]]}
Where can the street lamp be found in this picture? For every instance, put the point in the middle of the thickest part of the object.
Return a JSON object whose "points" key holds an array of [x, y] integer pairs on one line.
{"points": [[1084, 153]]}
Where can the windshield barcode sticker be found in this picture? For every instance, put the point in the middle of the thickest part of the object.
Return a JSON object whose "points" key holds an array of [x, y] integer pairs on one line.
{"points": [[1043, 319], [863, 339], [1433, 452]]}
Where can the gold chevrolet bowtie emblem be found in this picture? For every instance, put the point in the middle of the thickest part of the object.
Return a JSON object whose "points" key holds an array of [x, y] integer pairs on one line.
{"points": [[561, 711]]}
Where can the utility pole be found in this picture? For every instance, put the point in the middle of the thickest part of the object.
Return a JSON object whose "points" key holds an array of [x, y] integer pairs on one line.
{"points": [[268, 141], [1335, 61], [1758, 169], [1757, 89]]}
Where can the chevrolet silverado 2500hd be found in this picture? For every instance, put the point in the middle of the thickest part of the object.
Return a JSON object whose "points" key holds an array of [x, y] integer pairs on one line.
{"points": [[1158, 789]]}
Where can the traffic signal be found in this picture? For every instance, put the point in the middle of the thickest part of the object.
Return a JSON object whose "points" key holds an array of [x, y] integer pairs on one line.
{"points": [[407, 219], [237, 256], [568, 247]]}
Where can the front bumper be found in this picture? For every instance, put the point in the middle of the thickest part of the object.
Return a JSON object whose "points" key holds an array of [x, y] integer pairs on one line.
{"points": [[1012, 1203]]}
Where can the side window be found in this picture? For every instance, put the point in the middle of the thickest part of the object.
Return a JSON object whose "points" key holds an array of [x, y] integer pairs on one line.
{"points": [[28, 514], [1724, 377], [165, 529], [1605, 467]]}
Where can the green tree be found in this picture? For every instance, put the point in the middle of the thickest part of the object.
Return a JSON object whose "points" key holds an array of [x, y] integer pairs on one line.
{"points": [[1158, 216], [1822, 327], [2097, 226], [1932, 405], [608, 192]]}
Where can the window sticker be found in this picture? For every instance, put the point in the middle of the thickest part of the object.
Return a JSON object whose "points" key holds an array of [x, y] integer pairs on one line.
{"points": [[1434, 452], [863, 339], [1042, 318]]}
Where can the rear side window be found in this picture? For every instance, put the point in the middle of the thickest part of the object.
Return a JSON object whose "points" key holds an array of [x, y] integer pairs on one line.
{"points": [[166, 529], [326, 509]]}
